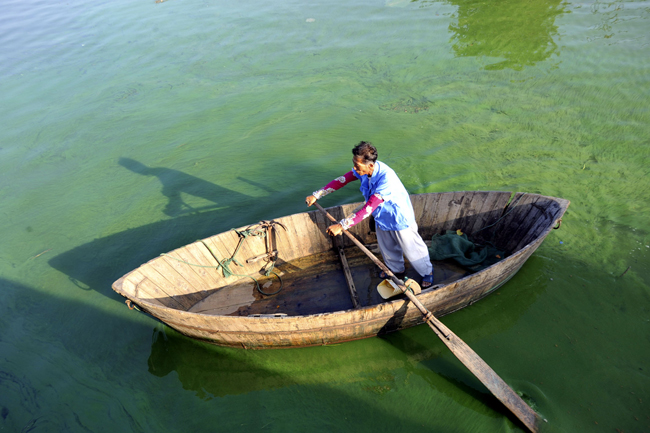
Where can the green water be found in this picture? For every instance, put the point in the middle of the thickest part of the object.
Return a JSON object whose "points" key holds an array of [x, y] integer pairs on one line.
{"points": [[132, 128]]}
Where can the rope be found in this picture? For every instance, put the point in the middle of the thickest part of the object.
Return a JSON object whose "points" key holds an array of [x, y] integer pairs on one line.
{"points": [[225, 264]]}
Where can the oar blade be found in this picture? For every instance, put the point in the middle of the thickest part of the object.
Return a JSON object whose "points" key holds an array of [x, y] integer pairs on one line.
{"points": [[483, 372]]}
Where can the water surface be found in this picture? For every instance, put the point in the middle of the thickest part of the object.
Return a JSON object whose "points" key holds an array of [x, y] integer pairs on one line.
{"points": [[132, 128]]}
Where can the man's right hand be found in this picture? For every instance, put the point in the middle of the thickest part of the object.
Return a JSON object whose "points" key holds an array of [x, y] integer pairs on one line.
{"points": [[310, 200]]}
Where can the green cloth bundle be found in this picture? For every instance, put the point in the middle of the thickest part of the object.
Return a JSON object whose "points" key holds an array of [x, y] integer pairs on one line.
{"points": [[456, 245]]}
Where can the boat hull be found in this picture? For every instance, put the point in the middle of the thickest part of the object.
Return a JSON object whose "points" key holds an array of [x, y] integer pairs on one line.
{"points": [[370, 320]]}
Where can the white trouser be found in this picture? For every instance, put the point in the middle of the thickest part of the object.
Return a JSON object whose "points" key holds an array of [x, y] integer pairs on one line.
{"points": [[394, 245]]}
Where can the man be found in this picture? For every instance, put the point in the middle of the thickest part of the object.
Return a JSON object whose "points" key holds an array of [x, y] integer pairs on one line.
{"points": [[388, 201]]}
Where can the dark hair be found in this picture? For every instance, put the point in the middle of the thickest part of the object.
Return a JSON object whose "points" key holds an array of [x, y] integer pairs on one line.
{"points": [[365, 150]]}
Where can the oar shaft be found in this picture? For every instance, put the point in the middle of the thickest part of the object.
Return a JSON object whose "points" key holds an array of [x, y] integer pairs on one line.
{"points": [[497, 386]]}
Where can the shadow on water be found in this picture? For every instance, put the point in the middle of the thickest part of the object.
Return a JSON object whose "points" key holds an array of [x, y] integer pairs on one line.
{"points": [[52, 344], [97, 264], [101, 368], [519, 31], [175, 183], [93, 375]]}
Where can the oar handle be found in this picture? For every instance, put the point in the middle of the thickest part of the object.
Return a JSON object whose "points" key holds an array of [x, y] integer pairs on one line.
{"points": [[479, 368], [364, 249]]}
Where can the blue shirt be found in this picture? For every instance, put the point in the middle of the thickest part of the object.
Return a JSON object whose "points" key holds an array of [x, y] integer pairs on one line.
{"points": [[396, 212]]}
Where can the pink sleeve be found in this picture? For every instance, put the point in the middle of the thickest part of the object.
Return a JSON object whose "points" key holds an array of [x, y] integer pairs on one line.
{"points": [[373, 202], [336, 184]]}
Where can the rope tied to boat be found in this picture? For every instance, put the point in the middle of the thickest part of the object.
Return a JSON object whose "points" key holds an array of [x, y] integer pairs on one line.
{"points": [[262, 230]]}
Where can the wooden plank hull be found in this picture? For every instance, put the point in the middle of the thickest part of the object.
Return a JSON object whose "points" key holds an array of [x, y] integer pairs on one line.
{"points": [[168, 297]]}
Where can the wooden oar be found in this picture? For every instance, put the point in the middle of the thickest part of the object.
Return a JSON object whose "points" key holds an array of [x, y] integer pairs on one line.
{"points": [[460, 349]]}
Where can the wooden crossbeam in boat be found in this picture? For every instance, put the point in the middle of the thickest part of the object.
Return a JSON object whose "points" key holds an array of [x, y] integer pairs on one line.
{"points": [[348, 274]]}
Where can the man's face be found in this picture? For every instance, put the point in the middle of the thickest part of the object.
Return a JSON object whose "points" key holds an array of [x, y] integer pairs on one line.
{"points": [[361, 168]]}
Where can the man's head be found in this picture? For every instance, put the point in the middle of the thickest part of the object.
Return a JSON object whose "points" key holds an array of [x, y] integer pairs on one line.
{"points": [[364, 158]]}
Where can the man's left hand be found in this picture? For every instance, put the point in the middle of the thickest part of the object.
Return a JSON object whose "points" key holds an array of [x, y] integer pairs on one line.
{"points": [[335, 230]]}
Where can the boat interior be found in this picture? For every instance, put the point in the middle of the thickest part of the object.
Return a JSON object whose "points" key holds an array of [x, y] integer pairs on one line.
{"points": [[313, 284], [307, 275]]}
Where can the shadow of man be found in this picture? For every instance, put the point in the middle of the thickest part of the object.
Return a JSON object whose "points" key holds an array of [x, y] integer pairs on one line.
{"points": [[96, 264], [175, 183]]}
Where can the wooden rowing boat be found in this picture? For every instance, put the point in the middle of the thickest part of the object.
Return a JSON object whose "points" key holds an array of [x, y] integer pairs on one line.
{"points": [[188, 289]]}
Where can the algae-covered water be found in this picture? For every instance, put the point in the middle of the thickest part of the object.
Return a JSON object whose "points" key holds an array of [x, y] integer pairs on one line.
{"points": [[132, 128]]}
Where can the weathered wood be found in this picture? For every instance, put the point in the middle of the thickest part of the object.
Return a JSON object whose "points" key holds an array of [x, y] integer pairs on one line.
{"points": [[456, 203], [300, 236], [305, 241], [221, 248], [497, 386], [154, 283], [285, 241], [440, 212], [169, 282], [312, 285], [491, 210], [240, 248], [182, 262], [552, 211], [295, 232], [202, 257], [348, 276], [513, 217], [318, 228], [430, 204], [338, 213], [470, 210], [318, 308], [518, 231], [326, 242], [135, 284], [224, 301], [338, 326], [251, 246], [206, 249]]}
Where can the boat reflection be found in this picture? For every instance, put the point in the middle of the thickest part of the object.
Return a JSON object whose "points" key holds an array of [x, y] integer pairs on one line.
{"points": [[520, 32]]}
